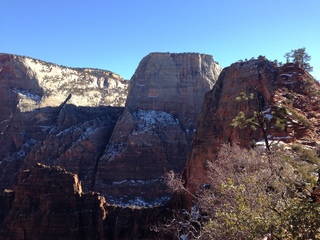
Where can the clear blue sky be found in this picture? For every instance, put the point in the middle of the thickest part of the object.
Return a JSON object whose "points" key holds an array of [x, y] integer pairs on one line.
{"points": [[116, 34]]}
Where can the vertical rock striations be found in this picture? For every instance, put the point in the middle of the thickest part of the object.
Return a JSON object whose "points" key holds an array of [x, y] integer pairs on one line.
{"points": [[155, 132], [173, 83], [288, 88]]}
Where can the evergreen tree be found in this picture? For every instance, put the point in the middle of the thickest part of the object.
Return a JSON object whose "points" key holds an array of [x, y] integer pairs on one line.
{"points": [[301, 57]]}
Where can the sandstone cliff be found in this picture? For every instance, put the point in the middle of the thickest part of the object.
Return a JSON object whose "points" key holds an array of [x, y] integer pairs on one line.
{"points": [[76, 141], [288, 87], [37, 84], [155, 132], [48, 203], [123, 153], [37, 122]]}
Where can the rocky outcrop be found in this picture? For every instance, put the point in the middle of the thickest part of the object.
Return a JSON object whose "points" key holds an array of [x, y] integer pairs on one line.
{"points": [[48, 203], [155, 132], [76, 141], [37, 122], [288, 88]]}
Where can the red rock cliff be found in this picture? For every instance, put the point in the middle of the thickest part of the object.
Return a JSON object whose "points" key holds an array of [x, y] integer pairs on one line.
{"points": [[288, 86], [48, 203]]}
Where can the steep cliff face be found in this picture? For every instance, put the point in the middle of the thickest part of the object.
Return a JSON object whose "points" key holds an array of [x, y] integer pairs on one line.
{"points": [[123, 152], [173, 83], [51, 197], [48, 203], [288, 88], [155, 132], [76, 141], [37, 122]]}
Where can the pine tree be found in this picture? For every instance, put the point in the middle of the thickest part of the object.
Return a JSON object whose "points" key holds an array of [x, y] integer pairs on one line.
{"points": [[301, 57]]}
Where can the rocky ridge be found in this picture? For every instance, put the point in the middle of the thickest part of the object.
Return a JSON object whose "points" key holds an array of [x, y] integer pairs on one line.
{"points": [[289, 88], [39, 84]]}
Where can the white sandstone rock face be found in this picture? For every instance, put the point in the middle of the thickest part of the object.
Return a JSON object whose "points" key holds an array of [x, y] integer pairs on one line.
{"points": [[174, 83], [41, 84]]}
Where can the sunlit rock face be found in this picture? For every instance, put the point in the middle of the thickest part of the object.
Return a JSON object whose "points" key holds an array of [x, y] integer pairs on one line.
{"points": [[289, 87], [54, 114], [173, 83], [38, 84], [154, 134]]}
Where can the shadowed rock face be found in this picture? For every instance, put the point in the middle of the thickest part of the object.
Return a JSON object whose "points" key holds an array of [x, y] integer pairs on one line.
{"points": [[153, 135], [76, 141], [155, 132], [288, 86], [37, 122], [48, 203]]}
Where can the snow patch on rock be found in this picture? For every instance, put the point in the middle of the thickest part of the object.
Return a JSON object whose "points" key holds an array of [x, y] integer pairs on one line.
{"points": [[149, 119]]}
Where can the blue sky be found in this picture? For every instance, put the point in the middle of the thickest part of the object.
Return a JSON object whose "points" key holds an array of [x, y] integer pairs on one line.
{"points": [[116, 34]]}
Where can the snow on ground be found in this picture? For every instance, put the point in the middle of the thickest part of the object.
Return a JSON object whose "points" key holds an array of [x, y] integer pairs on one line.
{"points": [[137, 182], [137, 201], [89, 87], [275, 143], [286, 75], [268, 116], [114, 149], [147, 122]]}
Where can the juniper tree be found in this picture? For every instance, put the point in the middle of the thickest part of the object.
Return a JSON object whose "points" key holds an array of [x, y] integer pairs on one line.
{"points": [[301, 57], [259, 118]]}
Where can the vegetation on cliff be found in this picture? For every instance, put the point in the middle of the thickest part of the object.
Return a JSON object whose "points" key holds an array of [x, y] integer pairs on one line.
{"points": [[257, 190], [250, 197], [301, 57]]}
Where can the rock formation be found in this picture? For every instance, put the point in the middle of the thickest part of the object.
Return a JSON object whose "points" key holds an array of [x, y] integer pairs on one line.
{"points": [[288, 87], [76, 141], [155, 132], [36, 116], [38, 84], [64, 158], [48, 203]]}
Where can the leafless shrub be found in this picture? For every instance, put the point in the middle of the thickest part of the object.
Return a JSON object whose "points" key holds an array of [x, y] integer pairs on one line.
{"points": [[183, 225], [245, 198]]}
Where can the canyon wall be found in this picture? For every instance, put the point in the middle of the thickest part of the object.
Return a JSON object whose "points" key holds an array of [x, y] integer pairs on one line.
{"points": [[38, 84], [51, 114], [70, 167], [155, 132], [48, 203]]}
